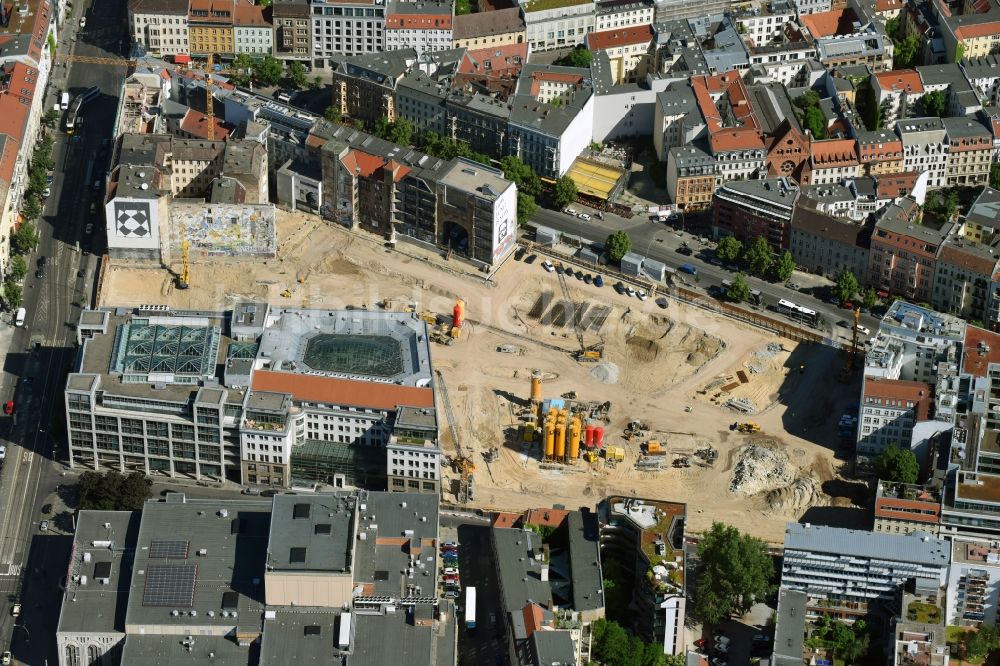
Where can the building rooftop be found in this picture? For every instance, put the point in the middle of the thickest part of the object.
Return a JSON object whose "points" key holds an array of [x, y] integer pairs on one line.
{"points": [[977, 488], [619, 37], [812, 221], [487, 24], [776, 192], [981, 349], [985, 210], [303, 636], [916, 547], [917, 319], [584, 561], [469, 176], [900, 80], [789, 628], [971, 552], [518, 554], [532, 6], [104, 543], [312, 533], [553, 647], [199, 562], [167, 650]]}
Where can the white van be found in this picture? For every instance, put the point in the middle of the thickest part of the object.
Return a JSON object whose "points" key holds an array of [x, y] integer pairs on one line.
{"points": [[19, 317], [64, 101]]}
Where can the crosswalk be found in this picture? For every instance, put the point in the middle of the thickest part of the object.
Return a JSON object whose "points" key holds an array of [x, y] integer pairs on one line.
{"points": [[12, 570]]}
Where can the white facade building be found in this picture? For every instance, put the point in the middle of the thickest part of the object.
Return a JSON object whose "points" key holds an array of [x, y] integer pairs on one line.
{"points": [[925, 148], [623, 13], [348, 28], [422, 26], [973, 583], [563, 25], [160, 26], [253, 39]]}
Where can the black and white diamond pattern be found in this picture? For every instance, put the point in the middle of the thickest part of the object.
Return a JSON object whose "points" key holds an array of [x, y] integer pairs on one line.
{"points": [[132, 219]]}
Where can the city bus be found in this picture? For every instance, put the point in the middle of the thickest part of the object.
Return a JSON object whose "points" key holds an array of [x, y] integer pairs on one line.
{"points": [[797, 312]]}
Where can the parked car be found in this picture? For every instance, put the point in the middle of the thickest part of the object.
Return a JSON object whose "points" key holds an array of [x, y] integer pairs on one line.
{"points": [[450, 571], [584, 217], [598, 281], [641, 294], [619, 287], [569, 210], [5, 658], [685, 250], [630, 291], [8, 408], [83, 21], [531, 259], [43, 526], [862, 329], [15, 610], [547, 265]]}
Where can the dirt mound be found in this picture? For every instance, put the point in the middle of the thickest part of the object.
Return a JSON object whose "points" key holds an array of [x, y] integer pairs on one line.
{"points": [[642, 349], [761, 469], [605, 372], [801, 494]]}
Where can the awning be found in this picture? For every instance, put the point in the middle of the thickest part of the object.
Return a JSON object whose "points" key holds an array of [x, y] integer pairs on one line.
{"points": [[182, 59]]}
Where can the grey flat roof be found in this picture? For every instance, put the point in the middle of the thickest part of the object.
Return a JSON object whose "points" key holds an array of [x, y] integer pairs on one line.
{"points": [[584, 561], [97, 607], [233, 534], [169, 651], [471, 176], [312, 532], [789, 630], [520, 573], [916, 547], [416, 417], [284, 639], [391, 640], [985, 210], [553, 647]]}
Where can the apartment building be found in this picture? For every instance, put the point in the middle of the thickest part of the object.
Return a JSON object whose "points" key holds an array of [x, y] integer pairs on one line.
{"points": [[421, 26], [210, 28], [832, 161], [690, 177], [676, 121], [925, 148], [828, 245], [645, 538], [188, 579], [848, 573], [879, 153], [252, 32], [305, 411], [970, 152], [902, 508], [623, 14], [751, 208], [346, 28], [896, 93], [903, 251], [481, 29], [630, 51], [555, 24], [973, 583], [363, 85], [970, 35], [761, 25], [292, 29], [890, 408], [160, 26]]}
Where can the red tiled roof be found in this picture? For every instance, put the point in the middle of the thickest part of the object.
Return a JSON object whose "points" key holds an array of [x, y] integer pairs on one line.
{"points": [[363, 164], [355, 393], [610, 39], [250, 16], [195, 123], [827, 24], [975, 359], [417, 21], [888, 5], [15, 102], [549, 517], [834, 153], [892, 185], [505, 519], [919, 393], [735, 139], [978, 30], [903, 80], [533, 618]]}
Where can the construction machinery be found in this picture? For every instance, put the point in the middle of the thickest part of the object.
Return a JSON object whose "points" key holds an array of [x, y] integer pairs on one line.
{"points": [[591, 354], [745, 426], [852, 354], [184, 279], [653, 448], [682, 462]]}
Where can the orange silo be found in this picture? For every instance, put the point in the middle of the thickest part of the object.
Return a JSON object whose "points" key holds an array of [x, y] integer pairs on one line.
{"points": [[574, 439], [550, 439], [536, 387], [560, 450]]}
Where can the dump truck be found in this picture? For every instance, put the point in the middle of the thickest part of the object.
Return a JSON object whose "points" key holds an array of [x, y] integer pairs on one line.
{"points": [[748, 426]]}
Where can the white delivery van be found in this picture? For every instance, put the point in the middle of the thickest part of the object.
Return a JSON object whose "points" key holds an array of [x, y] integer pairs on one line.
{"points": [[19, 317], [64, 101]]}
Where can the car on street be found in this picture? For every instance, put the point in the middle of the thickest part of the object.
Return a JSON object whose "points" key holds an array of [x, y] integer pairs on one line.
{"points": [[15, 610], [584, 217], [47, 192], [97, 185], [700, 643], [685, 250], [619, 287], [83, 21], [863, 330], [89, 229], [8, 407], [39, 272], [450, 571], [46, 509], [547, 265], [5, 658], [43, 526], [531, 259], [791, 285], [268, 493], [569, 211]]}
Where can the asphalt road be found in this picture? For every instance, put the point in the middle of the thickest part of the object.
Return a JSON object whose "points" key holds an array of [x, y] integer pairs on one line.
{"points": [[660, 242], [41, 352]]}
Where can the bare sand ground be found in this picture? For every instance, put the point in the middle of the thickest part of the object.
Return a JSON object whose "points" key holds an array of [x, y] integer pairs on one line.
{"points": [[664, 366]]}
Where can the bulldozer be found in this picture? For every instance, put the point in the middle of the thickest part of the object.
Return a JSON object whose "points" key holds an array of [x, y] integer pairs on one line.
{"points": [[591, 354], [747, 427], [463, 465]]}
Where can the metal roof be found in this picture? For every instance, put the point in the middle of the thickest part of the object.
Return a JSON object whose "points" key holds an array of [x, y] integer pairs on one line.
{"points": [[916, 547]]}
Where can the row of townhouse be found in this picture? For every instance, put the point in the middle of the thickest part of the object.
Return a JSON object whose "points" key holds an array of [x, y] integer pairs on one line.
{"points": [[26, 30]]}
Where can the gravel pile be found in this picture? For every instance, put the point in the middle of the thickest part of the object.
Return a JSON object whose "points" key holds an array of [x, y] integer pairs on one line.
{"points": [[605, 372], [760, 360], [761, 469], [803, 493]]}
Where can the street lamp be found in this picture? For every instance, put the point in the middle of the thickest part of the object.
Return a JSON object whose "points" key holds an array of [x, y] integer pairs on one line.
{"points": [[27, 633]]}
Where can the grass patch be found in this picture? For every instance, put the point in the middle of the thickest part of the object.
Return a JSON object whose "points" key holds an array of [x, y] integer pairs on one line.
{"points": [[542, 5], [923, 613]]}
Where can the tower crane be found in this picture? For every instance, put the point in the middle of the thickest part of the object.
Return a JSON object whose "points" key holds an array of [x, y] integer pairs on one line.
{"points": [[184, 281]]}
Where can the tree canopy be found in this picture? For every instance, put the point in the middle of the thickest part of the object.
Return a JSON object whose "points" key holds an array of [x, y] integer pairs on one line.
{"points": [[267, 70], [869, 297], [578, 57], [783, 268], [564, 192], [333, 114], [896, 464], [759, 256], [24, 239], [995, 176], [618, 245], [729, 249], [522, 175], [739, 290], [12, 294], [526, 207], [18, 267], [113, 492], [934, 103], [734, 571], [444, 147], [850, 643], [298, 75], [613, 647], [846, 286]]}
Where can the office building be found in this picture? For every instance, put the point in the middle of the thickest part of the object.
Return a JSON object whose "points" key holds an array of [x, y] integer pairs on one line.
{"points": [[348, 28], [421, 26], [160, 26], [973, 583], [292, 30], [749, 209]]}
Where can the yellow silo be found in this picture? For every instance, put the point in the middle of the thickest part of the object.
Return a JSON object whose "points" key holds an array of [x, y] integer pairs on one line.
{"points": [[574, 439]]}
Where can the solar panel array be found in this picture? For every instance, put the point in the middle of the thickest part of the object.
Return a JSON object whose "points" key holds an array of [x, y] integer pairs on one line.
{"points": [[171, 550], [170, 585]]}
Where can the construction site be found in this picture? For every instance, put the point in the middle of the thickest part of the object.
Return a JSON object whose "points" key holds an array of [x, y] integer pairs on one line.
{"points": [[555, 390]]}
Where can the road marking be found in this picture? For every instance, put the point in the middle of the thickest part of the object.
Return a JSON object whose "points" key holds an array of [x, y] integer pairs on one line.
{"points": [[12, 570], [26, 457]]}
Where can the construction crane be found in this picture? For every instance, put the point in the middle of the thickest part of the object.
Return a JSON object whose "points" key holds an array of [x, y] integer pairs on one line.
{"points": [[852, 355], [184, 281], [209, 101], [594, 352]]}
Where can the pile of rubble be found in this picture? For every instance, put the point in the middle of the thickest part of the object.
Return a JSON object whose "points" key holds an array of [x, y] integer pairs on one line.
{"points": [[605, 372], [760, 469], [761, 359]]}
